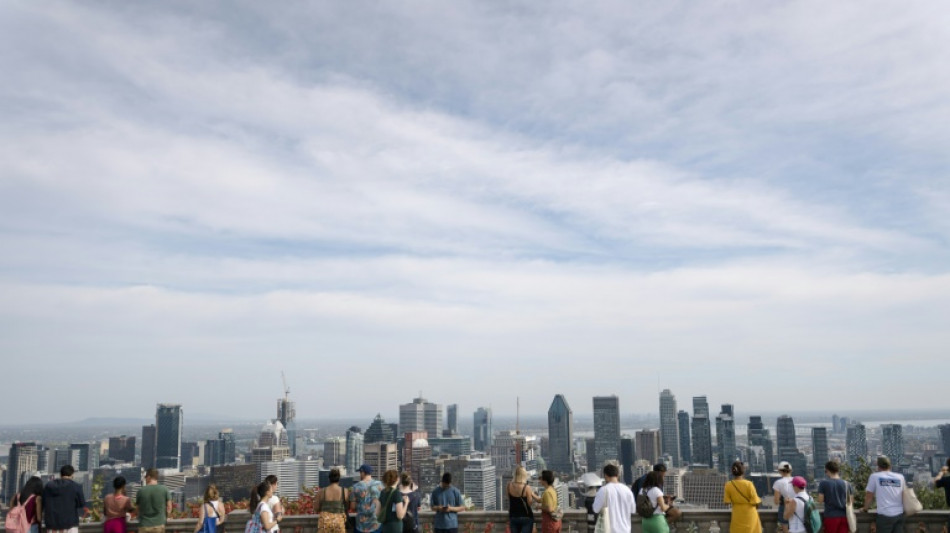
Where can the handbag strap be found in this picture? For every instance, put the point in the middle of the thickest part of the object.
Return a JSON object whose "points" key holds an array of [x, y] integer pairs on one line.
{"points": [[739, 492]]}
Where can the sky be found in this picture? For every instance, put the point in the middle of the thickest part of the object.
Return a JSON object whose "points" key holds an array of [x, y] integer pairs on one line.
{"points": [[478, 201]]}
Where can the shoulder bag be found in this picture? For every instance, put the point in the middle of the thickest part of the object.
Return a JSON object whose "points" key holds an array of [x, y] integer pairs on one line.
{"points": [[603, 517]]}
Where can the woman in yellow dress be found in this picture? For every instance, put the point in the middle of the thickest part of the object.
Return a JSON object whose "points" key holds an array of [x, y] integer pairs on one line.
{"points": [[745, 502]]}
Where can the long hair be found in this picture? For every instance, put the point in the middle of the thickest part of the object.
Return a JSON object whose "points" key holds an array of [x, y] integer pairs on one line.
{"points": [[32, 487], [257, 495], [654, 479]]}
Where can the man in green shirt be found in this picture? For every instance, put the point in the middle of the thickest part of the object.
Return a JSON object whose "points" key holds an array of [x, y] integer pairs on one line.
{"points": [[154, 503]]}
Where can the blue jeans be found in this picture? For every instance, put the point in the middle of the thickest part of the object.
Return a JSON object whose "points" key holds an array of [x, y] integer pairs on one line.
{"points": [[521, 524]]}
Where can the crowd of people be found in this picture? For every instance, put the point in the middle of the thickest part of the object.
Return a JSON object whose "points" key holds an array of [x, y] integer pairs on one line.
{"points": [[392, 504]]}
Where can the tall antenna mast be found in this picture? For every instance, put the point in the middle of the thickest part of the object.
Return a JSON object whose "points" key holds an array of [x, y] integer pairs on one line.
{"points": [[517, 415], [286, 388]]}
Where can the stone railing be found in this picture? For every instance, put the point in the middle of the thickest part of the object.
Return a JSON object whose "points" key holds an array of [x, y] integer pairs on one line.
{"points": [[693, 521]]}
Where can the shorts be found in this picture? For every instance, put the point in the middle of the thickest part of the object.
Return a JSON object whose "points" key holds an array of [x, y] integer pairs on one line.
{"points": [[781, 513]]}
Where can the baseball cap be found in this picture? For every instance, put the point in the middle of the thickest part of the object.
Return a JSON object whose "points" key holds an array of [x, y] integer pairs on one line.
{"points": [[366, 469], [784, 466], [799, 482]]}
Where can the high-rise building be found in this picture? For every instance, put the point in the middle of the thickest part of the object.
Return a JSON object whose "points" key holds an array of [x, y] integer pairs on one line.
{"points": [[451, 420], [561, 436], [21, 464], [819, 450], [648, 445], [189, 454], [669, 427], [944, 431], [482, 429], [379, 431], [835, 420], [606, 430], [233, 480], [892, 442], [382, 456], [149, 442], [122, 449], [420, 415], [480, 485], [628, 457], [168, 424], [287, 414], [293, 475], [686, 449], [702, 434], [856, 444], [272, 444], [512, 449], [354, 448], [704, 486], [726, 438], [214, 452], [88, 456], [787, 445], [334, 452], [758, 435], [455, 446]]}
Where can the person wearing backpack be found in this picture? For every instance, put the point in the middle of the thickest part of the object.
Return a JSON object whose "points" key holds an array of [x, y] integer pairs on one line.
{"points": [[410, 490], [26, 508], [800, 511], [652, 494]]}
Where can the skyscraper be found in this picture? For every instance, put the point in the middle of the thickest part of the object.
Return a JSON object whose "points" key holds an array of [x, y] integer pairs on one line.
{"points": [[787, 445], [686, 449], [287, 414], [334, 452], [944, 431], [382, 456], [21, 463], [87, 457], [420, 415], [480, 484], [230, 451], [758, 435], [379, 431], [168, 423], [819, 447], [892, 443], [856, 444], [726, 438], [628, 457], [122, 449], [354, 449], [149, 442], [483, 429], [561, 436], [451, 420], [606, 430], [702, 433], [648, 445], [669, 427]]}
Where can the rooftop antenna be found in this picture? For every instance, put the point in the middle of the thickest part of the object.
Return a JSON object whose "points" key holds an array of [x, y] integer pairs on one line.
{"points": [[286, 388]]}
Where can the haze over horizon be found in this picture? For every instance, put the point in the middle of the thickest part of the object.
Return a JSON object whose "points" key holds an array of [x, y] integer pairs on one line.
{"points": [[743, 201]]}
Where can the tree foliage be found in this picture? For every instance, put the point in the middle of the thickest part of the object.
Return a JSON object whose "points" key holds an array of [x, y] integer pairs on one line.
{"points": [[858, 477]]}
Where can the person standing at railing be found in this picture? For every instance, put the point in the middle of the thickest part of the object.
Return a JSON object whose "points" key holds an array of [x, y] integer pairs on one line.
{"points": [[446, 502], [888, 488], [942, 481], [782, 490], [836, 494], [115, 507], [741, 493], [521, 499], [154, 503], [618, 499], [550, 517], [331, 506]]}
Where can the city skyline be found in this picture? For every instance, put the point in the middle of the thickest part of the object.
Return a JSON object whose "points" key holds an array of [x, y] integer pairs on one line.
{"points": [[204, 196]]}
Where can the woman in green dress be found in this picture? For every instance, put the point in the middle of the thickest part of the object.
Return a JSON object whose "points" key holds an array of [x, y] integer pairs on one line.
{"points": [[393, 504]]}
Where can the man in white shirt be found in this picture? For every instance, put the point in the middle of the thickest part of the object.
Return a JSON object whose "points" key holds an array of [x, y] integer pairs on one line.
{"points": [[618, 498], [888, 488]]}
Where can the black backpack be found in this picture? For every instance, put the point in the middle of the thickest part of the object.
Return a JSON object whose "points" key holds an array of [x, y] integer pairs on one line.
{"points": [[409, 521], [645, 509]]}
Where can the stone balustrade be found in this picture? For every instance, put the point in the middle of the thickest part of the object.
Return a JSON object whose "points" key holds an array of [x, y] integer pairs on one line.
{"points": [[693, 521]]}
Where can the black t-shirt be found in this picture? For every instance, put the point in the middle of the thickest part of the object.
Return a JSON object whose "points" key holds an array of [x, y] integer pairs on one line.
{"points": [[944, 483]]}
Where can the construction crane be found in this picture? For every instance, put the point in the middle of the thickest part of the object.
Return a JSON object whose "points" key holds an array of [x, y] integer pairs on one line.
{"points": [[286, 388]]}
